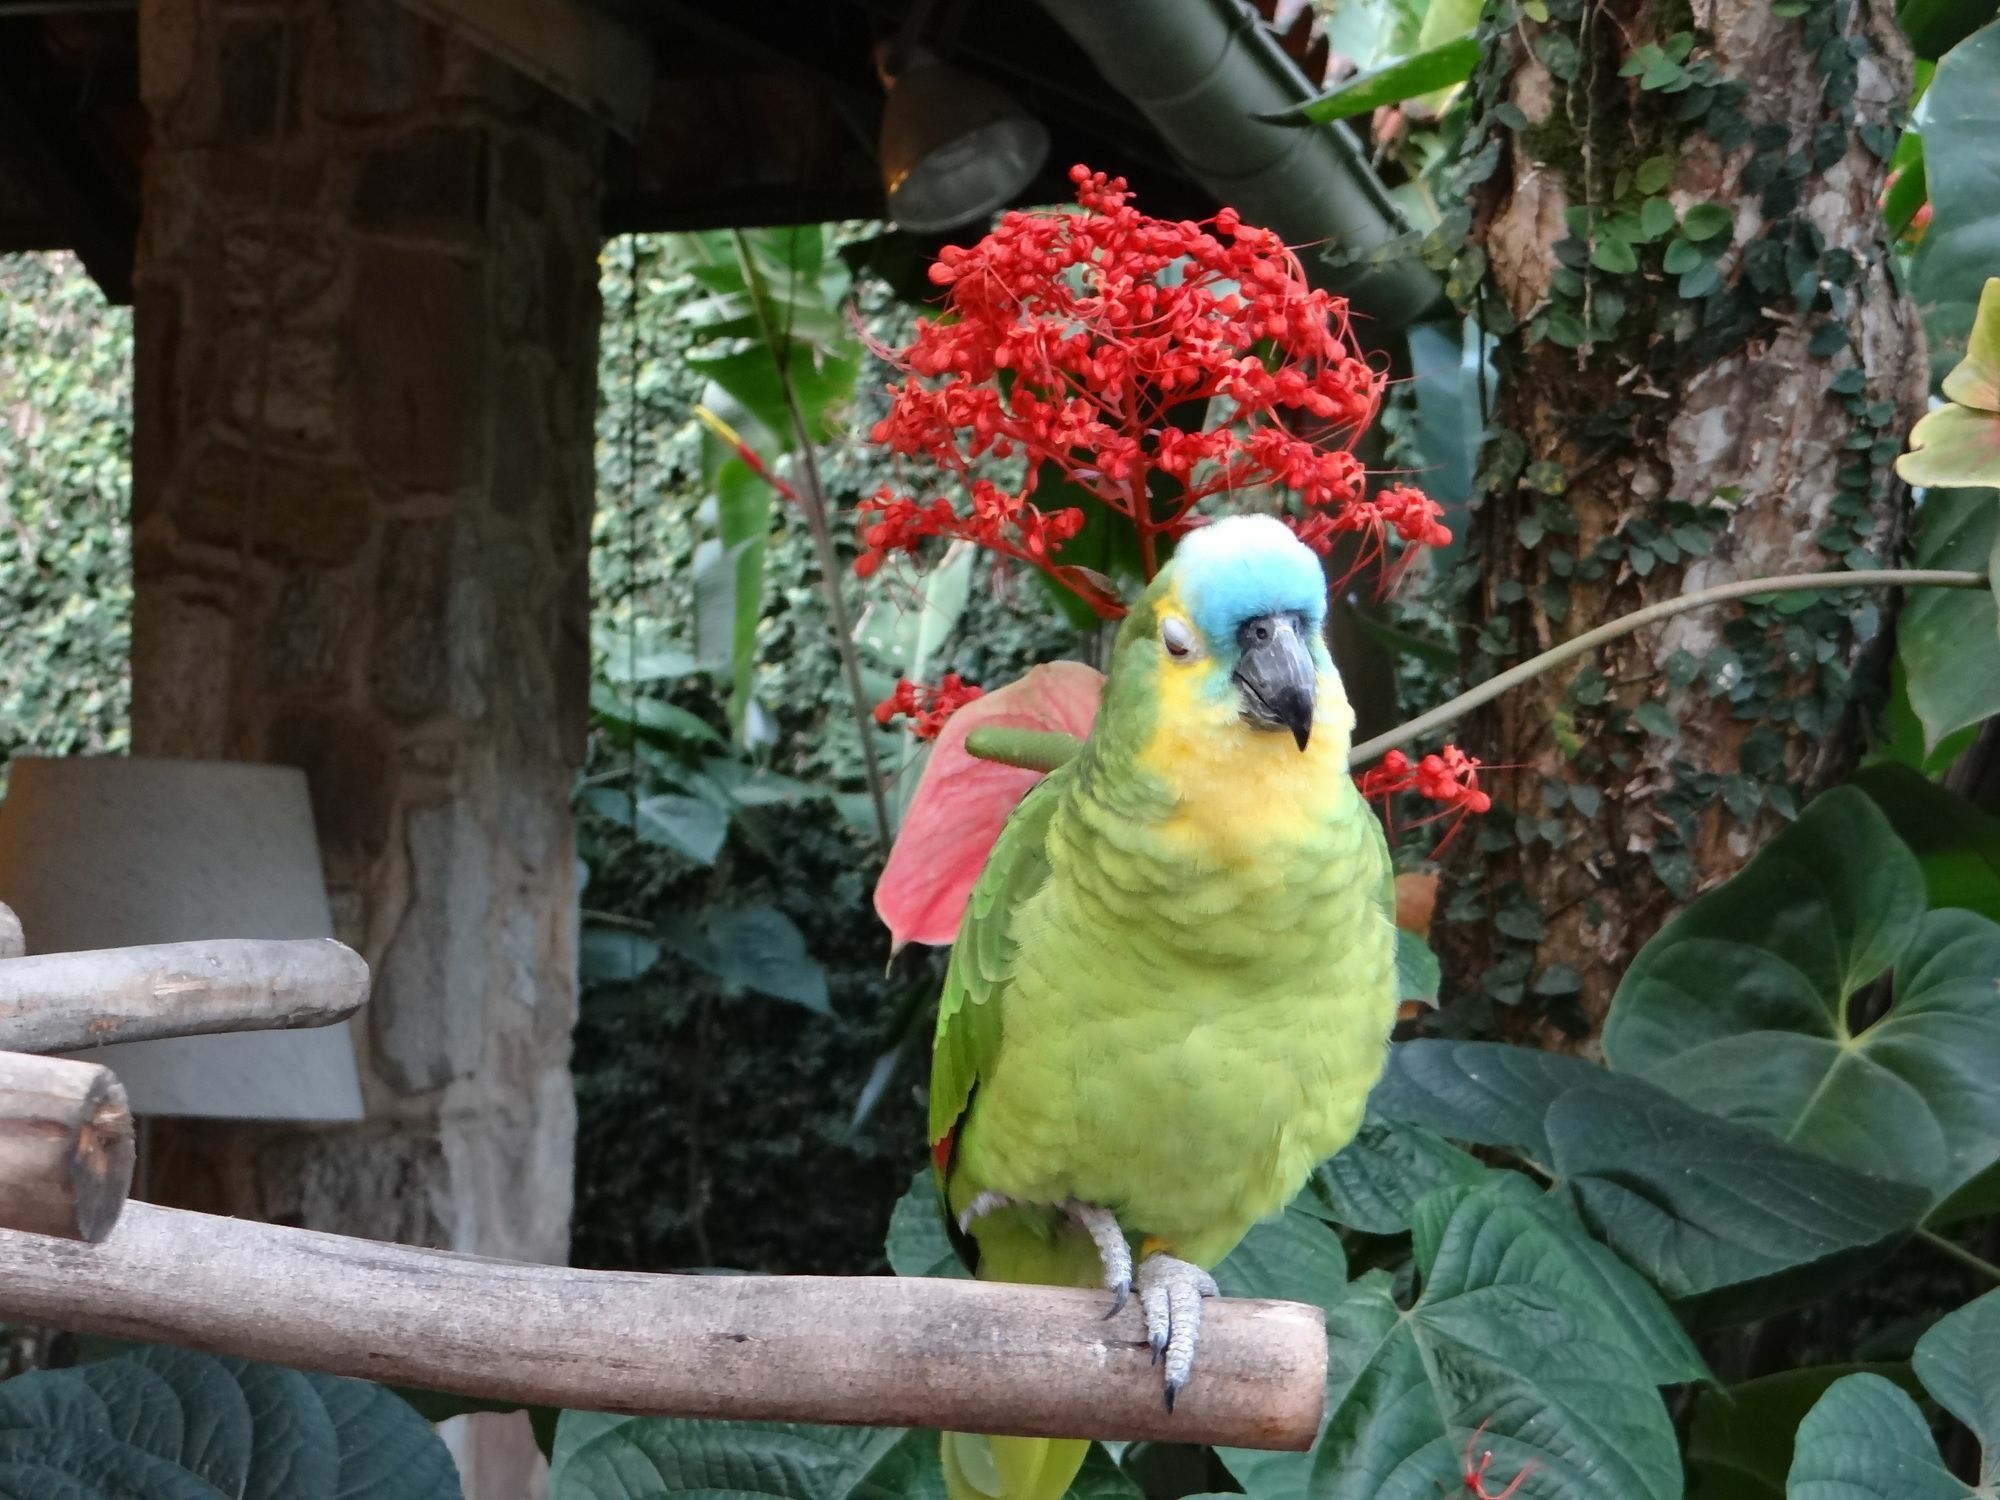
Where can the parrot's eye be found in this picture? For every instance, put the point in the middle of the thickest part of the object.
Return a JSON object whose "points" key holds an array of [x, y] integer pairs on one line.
{"points": [[1177, 638]]}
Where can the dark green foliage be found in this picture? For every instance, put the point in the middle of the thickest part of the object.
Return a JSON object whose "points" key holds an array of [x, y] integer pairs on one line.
{"points": [[716, 1123], [65, 478], [167, 1424]]}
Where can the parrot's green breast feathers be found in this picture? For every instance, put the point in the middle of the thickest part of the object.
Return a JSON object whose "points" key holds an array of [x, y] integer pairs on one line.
{"points": [[1173, 984]]}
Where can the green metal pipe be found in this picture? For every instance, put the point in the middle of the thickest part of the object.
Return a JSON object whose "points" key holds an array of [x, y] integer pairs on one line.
{"points": [[1204, 72]]}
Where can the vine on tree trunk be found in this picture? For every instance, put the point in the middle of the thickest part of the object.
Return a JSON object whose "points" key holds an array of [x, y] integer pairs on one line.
{"points": [[1667, 224]]}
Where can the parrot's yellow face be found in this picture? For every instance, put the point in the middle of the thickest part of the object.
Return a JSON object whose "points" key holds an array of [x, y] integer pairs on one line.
{"points": [[1248, 718]]}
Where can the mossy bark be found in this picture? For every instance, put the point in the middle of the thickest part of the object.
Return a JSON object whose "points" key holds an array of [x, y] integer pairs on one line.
{"points": [[1705, 368]]}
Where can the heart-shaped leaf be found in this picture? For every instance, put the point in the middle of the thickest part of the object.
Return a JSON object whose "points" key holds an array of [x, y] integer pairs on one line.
{"points": [[917, 1244], [1866, 1440], [752, 948], [1482, 1092], [602, 1457], [1518, 1339], [168, 1424], [962, 801], [1696, 1202], [1948, 640], [1376, 1181], [1957, 845], [1962, 246], [1293, 1258], [1739, 1444], [687, 825], [649, 1458], [1700, 1204], [1741, 1005]]}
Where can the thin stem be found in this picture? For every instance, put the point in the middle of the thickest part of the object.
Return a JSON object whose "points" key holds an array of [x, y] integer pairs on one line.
{"points": [[812, 498], [1590, 640], [1960, 1254]]}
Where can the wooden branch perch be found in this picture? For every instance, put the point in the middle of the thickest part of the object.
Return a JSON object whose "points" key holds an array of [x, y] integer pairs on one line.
{"points": [[881, 1351], [58, 1002], [66, 1144]]}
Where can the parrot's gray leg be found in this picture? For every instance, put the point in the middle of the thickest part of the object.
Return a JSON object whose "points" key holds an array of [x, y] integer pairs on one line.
{"points": [[1170, 1292], [980, 1207], [1102, 1227]]}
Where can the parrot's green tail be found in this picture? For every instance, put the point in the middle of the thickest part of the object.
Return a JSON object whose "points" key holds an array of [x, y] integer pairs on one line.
{"points": [[1010, 1468], [1017, 1246]]}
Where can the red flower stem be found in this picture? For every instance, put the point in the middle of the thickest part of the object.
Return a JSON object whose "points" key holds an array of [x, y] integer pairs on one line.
{"points": [[1135, 486], [1590, 640]]}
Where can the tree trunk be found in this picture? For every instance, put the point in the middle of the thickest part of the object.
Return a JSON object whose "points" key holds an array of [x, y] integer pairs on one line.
{"points": [[1680, 403]]}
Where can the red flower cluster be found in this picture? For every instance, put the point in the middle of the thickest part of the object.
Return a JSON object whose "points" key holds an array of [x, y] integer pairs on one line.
{"points": [[1449, 778], [1099, 349], [1000, 521], [925, 707]]}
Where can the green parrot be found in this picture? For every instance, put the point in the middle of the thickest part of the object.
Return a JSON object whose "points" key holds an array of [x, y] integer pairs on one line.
{"points": [[1173, 985]]}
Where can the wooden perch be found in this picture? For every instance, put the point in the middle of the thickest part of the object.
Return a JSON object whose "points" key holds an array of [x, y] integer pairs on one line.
{"points": [[59, 1002], [66, 1144], [880, 1351]]}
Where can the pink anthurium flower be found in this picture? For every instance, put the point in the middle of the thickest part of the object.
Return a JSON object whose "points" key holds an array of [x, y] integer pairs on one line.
{"points": [[962, 802]]}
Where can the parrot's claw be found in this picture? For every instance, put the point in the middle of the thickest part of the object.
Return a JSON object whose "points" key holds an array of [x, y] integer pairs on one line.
{"points": [[1171, 1293], [980, 1207], [1102, 1227]]}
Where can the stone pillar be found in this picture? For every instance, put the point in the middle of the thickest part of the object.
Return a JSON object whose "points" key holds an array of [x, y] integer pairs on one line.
{"points": [[386, 243]]}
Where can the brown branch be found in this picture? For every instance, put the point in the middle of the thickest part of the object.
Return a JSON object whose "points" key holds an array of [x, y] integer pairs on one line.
{"points": [[878, 1351], [66, 1145], [58, 1002]]}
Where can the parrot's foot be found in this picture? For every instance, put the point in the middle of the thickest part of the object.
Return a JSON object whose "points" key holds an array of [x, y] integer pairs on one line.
{"points": [[980, 1207], [1170, 1292], [1102, 1227]]}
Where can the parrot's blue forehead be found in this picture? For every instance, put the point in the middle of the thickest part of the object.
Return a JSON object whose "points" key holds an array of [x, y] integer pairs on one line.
{"points": [[1243, 567]]}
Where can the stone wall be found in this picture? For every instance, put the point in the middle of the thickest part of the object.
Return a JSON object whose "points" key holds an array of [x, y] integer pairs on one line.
{"points": [[383, 581]]}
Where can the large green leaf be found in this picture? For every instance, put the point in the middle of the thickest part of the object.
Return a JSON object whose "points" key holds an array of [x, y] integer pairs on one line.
{"points": [[167, 1424], [1956, 844], [1949, 639], [603, 1457], [1866, 1440], [1698, 1203], [1293, 1258], [1424, 72], [1934, 27], [1701, 1205], [1523, 1328], [1961, 121], [1482, 1092], [743, 503], [917, 1244], [650, 1458], [1378, 1178], [1741, 1005], [1739, 1444], [687, 825], [752, 948]]}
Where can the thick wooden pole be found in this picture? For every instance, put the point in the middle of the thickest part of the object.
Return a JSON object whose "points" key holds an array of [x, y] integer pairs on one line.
{"points": [[65, 1147], [58, 1002], [879, 1351]]}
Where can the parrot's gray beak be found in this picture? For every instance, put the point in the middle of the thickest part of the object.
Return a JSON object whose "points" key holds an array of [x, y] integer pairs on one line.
{"points": [[1276, 675]]}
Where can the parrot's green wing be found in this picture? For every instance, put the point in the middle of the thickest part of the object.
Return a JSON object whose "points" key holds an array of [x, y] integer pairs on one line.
{"points": [[968, 1029]]}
